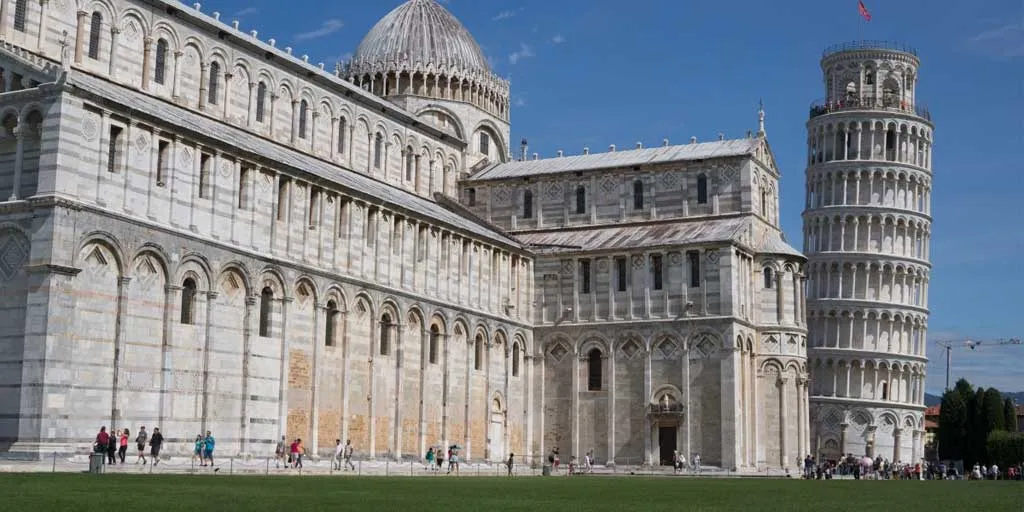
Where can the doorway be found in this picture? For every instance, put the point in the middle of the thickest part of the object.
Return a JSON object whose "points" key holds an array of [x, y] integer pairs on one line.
{"points": [[667, 444]]}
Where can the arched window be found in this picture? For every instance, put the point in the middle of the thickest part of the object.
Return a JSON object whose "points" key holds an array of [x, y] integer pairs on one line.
{"points": [[485, 144], [702, 189], [342, 125], [94, 35], [378, 150], [768, 277], [20, 8], [594, 370], [409, 163], [266, 296], [764, 203], [385, 334], [303, 114], [332, 322], [261, 101], [638, 195], [515, 359], [211, 96], [478, 352], [161, 61], [527, 204], [188, 301], [884, 388], [435, 336], [581, 199]]}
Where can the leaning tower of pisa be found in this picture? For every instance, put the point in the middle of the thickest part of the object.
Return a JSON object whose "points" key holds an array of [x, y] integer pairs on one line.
{"points": [[867, 224]]}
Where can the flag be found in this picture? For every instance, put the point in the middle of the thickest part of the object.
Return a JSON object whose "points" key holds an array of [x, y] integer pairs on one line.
{"points": [[863, 10]]}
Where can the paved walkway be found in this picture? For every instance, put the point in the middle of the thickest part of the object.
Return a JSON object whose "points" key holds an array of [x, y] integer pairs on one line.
{"points": [[323, 467]]}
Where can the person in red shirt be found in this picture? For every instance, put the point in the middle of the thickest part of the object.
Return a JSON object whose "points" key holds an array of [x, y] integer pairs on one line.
{"points": [[295, 453], [123, 445], [102, 440]]}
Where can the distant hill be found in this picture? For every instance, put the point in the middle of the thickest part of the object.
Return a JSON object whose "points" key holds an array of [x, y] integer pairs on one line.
{"points": [[930, 399]]}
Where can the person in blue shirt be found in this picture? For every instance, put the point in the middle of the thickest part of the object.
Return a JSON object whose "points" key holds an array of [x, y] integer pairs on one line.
{"points": [[197, 453], [208, 444]]}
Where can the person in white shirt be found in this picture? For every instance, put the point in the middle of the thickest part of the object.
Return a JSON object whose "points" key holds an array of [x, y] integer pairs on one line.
{"points": [[339, 450], [696, 463]]}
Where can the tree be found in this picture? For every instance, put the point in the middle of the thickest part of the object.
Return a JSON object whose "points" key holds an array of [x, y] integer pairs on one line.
{"points": [[975, 433], [993, 411], [1009, 416], [964, 389], [952, 426]]}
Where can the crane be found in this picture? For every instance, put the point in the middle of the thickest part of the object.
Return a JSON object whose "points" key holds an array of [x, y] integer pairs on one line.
{"points": [[973, 345]]}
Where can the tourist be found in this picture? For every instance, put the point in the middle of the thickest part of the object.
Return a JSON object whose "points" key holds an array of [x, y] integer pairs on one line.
{"points": [[197, 450], [339, 451], [140, 443], [510, 462], [696, 463], [348, 455], [429, 459], [155, 443], [112, 449], [557, 460], [208, 445], [102, 439], [588, 462], [281, 453], [122, 449], [572, 465], [299, 450], [439, 455]]}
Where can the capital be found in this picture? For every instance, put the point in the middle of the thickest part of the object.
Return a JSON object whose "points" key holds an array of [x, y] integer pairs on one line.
{"points": [[114, 30], [147, 42], [251, 300], [82, 14], [124, 280], [212, 295]]}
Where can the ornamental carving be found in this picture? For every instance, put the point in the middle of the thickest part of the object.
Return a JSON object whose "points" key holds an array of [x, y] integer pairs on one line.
{"points": [[554, 191], [130, 31], [568, 266], [602, 265], [185, 157], [14, 251], [630, 348], [608, 185], [712, 255], [675, 258], [669, 180], [225, 168], [89, 128], [638, 262], [502, 195]]}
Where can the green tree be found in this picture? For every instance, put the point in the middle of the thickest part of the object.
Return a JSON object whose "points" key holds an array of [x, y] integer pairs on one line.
{"points": [[964, 388], [975, 432], [952, 426], [993, 411], [1009, 416]]}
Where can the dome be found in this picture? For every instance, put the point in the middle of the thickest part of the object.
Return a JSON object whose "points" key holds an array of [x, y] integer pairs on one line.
{"points": [[421, 34]]}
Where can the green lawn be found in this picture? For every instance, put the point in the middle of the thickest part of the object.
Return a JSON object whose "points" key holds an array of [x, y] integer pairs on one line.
{"points": [[153, 493]]}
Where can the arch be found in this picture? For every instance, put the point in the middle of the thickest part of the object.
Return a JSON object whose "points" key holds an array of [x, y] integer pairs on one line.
{"points": [[109, 243], [388, 323], [188, 300], [266, 310], [336, 293], [595, 369], [591, 340], [160, 61], [499, 142], [311, 291], [702, 188], [303, 117], [498, 402], [457, 125], [162, 29], [517, 353], [213, 82], [196, 266], [95, 34], [770, 363], [272, 277], [665, 389], [331, 317], [479, 340]]}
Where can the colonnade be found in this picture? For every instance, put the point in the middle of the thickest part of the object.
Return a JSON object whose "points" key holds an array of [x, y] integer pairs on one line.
{"points": [[488, 97], [903, 141], [900, 189], [870, 331], [893, 283], [867, 379]]}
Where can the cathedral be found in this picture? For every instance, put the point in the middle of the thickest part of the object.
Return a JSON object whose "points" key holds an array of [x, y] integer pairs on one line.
{"points": [[203, 230]]}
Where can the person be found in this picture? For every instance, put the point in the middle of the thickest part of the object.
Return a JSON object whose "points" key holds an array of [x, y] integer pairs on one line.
{"points": [[197, 450], [572, 464], [557, 461], [208, 445], [281, 453], [102, 439], [298, 453], [430, 458], [140, 443], [155, 443], [112, 449], [439, 455], [676, 466], [122, 449], [509, 463], [696, 463], [339, 452], [348, 455]]}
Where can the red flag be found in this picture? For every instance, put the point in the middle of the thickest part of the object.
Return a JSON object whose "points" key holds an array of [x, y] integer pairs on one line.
{"points": [[863, 10]]}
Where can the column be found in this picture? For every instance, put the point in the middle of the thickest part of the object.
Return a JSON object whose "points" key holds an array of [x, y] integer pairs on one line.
{"points": [[3, 19], [114, 33], [314, 115], [647, 394], [282, 394], [177, 76], [319, 312], [842, 439], [250, 113], [611, 407], [204, 68], [346, 341], [897, 438], [147, 52], [207, 340], [779, 300], [399, 356], [295, 122], [41, 38], [783, 424], [574, 413], [225, 94], [122, 291], [19, 160], [248, 327], [801, 415], [197, 169], [421, 442], [79, 35]]}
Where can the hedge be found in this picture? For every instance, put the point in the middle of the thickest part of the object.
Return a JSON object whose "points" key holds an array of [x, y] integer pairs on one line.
{"points": [[1005, 448]]}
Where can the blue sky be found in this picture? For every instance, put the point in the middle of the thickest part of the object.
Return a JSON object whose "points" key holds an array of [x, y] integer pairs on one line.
{"points": [[600, 72]]}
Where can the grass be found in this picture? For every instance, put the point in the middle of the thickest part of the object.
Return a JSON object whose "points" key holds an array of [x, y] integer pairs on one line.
{"points": [[154, 493]]}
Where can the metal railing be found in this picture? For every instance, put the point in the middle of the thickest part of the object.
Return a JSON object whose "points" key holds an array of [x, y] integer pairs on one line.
{"points": [[667, 409], [869, 44], [868, 102]]}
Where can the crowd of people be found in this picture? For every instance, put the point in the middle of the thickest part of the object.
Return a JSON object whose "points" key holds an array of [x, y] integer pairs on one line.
{"points": [[113, 446], [879, 468]]}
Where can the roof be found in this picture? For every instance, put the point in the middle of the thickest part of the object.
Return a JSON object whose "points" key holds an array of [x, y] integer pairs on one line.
{"points": [[773, 243], [619, 159], [644, 235], [420, 32], [359, 185]]}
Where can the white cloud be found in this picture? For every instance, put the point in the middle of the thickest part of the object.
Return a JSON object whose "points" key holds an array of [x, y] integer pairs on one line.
{"points": [[246, 12], [525, 51], [504, 15], [520, 101], [1006, 40], [328, 27], [558, 39]]}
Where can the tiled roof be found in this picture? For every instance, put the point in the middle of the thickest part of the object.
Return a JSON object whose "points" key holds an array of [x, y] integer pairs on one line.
{"points": [[359, 185], [618, 159], [632, 236]]}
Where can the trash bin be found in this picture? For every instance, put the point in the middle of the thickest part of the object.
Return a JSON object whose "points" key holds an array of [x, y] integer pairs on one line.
{"points": [[96, 462], [546, 470]]}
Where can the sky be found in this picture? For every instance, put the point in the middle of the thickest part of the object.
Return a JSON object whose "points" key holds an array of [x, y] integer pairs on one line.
{"points": [[600, 72]]}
